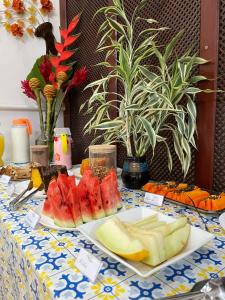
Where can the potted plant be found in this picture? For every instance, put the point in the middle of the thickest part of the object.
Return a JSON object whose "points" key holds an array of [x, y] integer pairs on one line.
{"points": [[155, 99]]}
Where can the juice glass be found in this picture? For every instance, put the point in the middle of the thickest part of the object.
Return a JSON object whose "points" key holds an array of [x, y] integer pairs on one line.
{"points": [[2, 145]]}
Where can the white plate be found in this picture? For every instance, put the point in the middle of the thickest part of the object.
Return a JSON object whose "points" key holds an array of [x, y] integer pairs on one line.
{"points": [[197, 239], [76, 171], [222, 220], [48, 222], [21, 186]]}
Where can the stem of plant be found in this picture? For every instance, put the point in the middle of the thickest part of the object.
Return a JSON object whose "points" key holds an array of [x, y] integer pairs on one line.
{"points": [[37, 94], [49, 109]]}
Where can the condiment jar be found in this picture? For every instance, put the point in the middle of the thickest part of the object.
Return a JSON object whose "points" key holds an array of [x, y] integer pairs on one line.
{"points": [[62, 147], [102, 158], [20, 141], [40, 155]]}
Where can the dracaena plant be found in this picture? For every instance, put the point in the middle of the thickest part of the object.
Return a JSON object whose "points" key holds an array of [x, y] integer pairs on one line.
{"points": [[155, 99]]}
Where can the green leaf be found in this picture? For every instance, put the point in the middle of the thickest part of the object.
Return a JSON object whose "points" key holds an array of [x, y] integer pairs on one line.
{"points": [[196, 79], [193, 90], [170, 47], [150, 132], [200, 61], [35, 72], [116, 26], [170, 159], [109, 125]]}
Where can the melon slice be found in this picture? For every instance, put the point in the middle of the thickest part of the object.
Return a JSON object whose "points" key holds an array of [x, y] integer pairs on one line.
{"points": [[114, 236], [74, 201]]}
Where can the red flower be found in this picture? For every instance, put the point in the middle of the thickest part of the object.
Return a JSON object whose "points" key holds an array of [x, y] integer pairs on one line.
{"points": [[27, 90], [16, 30], [79, 78], [45, 68], [47, 6], [18, 6]]}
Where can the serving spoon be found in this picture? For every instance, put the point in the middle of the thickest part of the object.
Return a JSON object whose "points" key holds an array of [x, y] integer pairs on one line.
{"points": [[209, 289]]}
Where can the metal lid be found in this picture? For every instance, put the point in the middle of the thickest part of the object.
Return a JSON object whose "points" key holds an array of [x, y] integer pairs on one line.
{"points": [[102, 148], [59, 131]]}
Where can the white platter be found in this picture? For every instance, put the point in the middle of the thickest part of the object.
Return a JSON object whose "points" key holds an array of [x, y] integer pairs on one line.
{"points": [[48, 222], [222, 220], [197, 239], [21, 186], [76, 171]]}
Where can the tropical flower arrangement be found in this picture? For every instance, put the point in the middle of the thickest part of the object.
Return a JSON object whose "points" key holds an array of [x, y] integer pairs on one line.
{"points": [[51, 78], [22, 16]]}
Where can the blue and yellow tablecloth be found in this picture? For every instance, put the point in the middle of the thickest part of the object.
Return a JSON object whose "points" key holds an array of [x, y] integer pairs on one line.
{"points": [[39, 264]]}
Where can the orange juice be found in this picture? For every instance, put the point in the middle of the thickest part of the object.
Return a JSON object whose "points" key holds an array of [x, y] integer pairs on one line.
{"points": [[2, 144]]}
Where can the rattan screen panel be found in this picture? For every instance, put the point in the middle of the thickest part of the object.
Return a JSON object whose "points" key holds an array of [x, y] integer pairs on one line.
{"points": [[219, 155], [177, 15], [86, 56]]}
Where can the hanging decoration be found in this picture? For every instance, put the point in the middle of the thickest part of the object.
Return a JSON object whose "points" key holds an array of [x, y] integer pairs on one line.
{"points": [[22, 17]]}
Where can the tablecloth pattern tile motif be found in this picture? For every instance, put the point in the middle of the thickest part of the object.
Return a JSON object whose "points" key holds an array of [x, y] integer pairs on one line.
{"points": [[40, 264]]}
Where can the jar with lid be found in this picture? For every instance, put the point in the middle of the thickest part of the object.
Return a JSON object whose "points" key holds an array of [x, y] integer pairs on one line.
{"points": [[62, 147], [20, 141], [102, 158]]}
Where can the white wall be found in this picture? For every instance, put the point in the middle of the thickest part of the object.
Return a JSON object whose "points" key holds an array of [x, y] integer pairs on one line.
{"points": [[16, 60]]}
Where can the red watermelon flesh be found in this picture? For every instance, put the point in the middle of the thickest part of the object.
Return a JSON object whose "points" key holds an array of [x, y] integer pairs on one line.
{"points": [[73, 199], [61, 211], [108, 198], [85, 206], [47, 207], [62, 182], [94, 195], [115, 188]]}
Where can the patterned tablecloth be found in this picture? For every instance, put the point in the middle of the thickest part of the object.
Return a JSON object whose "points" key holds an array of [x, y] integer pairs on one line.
{"points": [[39, 264]]}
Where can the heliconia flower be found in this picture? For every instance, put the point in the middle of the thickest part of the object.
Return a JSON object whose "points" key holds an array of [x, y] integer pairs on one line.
{"points": [[46, 6], [27, 90], [18, 6], [79, 78], [16, 30], [46, 69]]}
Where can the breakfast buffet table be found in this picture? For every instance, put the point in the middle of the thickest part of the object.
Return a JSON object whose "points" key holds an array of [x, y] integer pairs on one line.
{"points": [[40, 263]]}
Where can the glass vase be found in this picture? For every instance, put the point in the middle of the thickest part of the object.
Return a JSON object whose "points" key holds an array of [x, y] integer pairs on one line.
{"points": [[49, 141]]}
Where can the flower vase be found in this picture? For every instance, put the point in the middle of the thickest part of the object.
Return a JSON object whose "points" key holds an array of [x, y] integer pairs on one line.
{"points": [[44, 140]]}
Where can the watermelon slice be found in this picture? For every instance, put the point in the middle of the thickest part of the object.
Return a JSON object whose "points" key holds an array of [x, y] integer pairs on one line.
{"points": [[85, 206], [108, 197], [47, 207], [94, 195], [74, 201], [115, 188], [62, 213], [62, 182]]}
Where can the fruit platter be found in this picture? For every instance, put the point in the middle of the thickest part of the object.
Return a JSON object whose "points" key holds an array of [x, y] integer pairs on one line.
{"points": [[68, 205], [144, 241], [188, 195]]}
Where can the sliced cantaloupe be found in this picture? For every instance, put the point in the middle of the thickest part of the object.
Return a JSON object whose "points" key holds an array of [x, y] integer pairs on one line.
{"points": [[114, 236], [36, 177]]}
